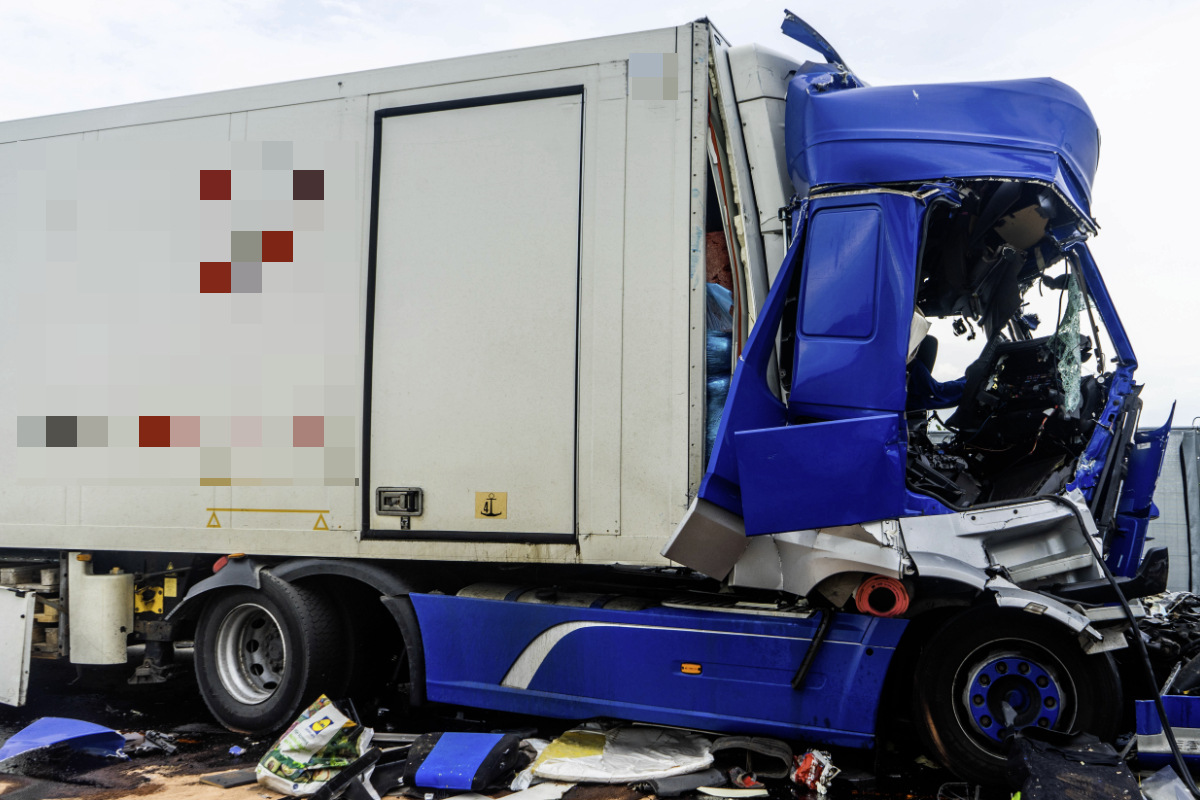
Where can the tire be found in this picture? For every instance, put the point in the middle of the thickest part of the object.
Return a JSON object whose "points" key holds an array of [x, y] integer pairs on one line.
{"points": [[264, 655], [986, 656]]}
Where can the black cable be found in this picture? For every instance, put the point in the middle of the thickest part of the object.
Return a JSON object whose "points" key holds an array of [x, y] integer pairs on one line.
{"points": [[811, 654], [1184, 773]]}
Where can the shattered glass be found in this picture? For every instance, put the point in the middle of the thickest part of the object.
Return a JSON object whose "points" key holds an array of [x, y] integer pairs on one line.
{"points": [[1065, 345]]}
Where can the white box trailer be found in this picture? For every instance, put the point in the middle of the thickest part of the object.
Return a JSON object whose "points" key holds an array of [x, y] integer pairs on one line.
{"points": [[493, 291], [418, 363]]}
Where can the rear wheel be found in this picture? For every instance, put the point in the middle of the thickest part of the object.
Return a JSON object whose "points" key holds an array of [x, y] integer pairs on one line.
{"points": [[990, 670], [263, 655]]}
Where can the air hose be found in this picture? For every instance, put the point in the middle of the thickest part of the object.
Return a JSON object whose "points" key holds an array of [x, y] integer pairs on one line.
{"points": [[1181, 767]]}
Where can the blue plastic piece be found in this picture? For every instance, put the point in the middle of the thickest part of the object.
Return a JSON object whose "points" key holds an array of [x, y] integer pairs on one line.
{"points": [[628, 664], [822, 474], [1145, 465], [807, 35], [1036, 129], [84, 737], [1136, 507], [1183, 712], [455, 759]]}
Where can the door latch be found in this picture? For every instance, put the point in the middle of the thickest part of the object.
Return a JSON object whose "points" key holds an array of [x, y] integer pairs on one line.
{"points": [[399, 501]]}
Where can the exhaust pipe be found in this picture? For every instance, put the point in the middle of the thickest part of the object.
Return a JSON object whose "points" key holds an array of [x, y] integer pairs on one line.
{"points": [[881, 597]]}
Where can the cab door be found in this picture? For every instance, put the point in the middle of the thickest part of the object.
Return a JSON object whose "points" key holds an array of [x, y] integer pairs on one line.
{"points": [[834, 451]]}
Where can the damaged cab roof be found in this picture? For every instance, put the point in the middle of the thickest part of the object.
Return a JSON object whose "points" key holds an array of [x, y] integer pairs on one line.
{"points": [[839, 132]]}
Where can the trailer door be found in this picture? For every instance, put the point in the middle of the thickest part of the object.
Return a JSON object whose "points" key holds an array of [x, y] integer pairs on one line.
{"points": [[472, 318]]}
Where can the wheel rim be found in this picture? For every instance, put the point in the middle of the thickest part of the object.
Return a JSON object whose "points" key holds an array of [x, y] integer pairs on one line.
{"points": [[251, 654], [1023, 683]]}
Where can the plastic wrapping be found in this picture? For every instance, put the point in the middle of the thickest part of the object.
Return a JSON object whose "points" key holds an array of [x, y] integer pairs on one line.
{"points": [[718, 314], [622, 755], [718, 345], [318, 745]]}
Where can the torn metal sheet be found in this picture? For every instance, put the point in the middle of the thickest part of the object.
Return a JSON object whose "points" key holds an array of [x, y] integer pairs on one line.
{"points": [[1033, 541], [798, 561]]}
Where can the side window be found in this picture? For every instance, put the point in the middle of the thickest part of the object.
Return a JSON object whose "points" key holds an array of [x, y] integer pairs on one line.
{"points": [[841, 263]]}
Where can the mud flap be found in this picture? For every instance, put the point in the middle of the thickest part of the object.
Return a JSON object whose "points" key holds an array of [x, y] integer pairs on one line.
{"points": [[16, 631]]}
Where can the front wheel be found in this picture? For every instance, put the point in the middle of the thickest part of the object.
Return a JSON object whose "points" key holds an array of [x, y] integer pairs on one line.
{"points": [[263, 655], [991, 670]]}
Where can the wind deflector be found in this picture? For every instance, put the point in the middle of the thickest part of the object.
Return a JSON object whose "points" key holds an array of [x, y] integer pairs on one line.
{"points": [[1037, 129], [807, 35]]}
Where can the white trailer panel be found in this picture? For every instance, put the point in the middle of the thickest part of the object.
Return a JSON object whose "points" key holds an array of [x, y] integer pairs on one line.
{"points": [[146, 410]]}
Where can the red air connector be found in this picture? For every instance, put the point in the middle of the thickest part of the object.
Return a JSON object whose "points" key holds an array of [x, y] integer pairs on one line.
{"points": [[882, 597]]}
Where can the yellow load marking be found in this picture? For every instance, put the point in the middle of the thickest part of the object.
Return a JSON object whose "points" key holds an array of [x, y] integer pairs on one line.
{"points": [[320, 525]]}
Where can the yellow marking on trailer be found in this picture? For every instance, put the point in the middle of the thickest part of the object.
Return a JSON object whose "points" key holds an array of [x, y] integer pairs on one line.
{"points": [[491, 505], [275, 510], [320, 525]]}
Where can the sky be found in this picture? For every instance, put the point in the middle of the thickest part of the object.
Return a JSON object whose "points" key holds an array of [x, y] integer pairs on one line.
{"points": [[1135, 64]]}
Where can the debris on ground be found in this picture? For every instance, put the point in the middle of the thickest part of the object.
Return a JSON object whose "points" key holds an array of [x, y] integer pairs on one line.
{"points": [[758, 755], [743, 780], [733, 791], [596, 753], [463, 761], [1050, 765], [1165, 785], [322, 742], [77, 735], [681, 784], [815, 770], [228, 780]]}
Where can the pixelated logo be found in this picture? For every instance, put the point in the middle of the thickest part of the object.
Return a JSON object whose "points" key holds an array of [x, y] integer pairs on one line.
{"points": [[653, 76]]}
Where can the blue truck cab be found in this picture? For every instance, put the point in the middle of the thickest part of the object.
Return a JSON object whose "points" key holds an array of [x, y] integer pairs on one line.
{"points": [[843, 471]]}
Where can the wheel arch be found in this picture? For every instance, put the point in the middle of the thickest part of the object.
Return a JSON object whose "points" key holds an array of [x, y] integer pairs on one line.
{"points": [[1091, 676], [387, 584], [392, 588]]}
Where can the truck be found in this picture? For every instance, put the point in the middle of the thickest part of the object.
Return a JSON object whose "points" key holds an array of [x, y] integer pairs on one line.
{"points": [[591, 379]]}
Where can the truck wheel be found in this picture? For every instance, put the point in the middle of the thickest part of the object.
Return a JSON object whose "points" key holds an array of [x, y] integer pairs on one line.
{"points": [[984, 663], [263, 655]]}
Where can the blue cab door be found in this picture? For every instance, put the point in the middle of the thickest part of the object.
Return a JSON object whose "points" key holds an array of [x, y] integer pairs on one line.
{"points": [[834, 453]]}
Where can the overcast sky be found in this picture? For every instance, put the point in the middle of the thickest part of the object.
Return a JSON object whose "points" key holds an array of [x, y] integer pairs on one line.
{"points": [[1135, 64]]}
